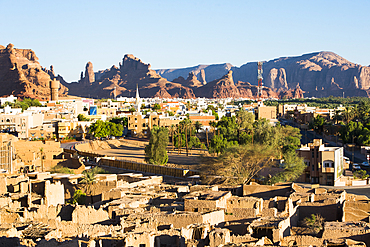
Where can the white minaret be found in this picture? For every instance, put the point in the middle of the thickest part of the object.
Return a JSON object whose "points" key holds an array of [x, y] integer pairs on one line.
{"points": [[138, 103]]}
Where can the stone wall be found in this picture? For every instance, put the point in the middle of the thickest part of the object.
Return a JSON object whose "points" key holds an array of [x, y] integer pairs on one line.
{"points": [[245, 203], [200, 206], [3, 183], [219, 237], [88, 215], [331, 212], [54, 193], [241, 214], [356, 211], [139, 239]]}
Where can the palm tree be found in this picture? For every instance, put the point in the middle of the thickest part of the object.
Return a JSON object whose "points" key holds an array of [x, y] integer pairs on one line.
{"points": [[88, 180], [198, 125], [172, 129], [348, 114], [42, 155], [337, 116]]}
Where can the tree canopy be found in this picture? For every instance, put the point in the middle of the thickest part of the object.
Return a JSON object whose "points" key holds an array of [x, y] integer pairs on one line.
{"points": [[24, 104], [105, 129], [245, 146], [156, 150]]}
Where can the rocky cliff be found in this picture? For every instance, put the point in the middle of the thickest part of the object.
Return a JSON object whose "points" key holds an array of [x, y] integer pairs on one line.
{"points": [[318, 74], [122, 81], [22, 75]]}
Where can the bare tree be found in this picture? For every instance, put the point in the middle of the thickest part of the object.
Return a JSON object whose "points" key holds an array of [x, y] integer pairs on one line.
{"points": [[239, 164]]}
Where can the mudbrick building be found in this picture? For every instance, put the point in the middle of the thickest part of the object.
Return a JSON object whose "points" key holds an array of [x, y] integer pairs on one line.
{"points": [[146, 210], [131, 209]]}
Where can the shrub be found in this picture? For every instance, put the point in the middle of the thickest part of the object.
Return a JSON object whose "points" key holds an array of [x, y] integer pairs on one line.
{"points": [[61, 169], [360, 174], [78, 197]]}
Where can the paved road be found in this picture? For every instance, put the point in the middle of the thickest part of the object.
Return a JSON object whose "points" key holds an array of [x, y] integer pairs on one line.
{"points": [[357, 190], [68, 145]]}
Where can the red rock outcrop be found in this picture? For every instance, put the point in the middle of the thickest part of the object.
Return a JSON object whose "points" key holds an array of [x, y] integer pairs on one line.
{"points": [[311, 75], [191, 81], [314, 73], [221, 88], [123, 80], [22, 75]]}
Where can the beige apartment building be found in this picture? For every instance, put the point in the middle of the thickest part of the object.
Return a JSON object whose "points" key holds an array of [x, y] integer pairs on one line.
{"points": [[324, 164], [20, 123], [268, 112], [140, 125], [77, 130]]}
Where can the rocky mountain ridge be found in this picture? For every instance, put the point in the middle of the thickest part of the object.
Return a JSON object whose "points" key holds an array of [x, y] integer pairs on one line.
{"points": [[317, 74], [22, 75]]}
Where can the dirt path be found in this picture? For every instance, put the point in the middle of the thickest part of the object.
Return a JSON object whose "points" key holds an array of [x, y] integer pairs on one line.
{"points": [[136, 153]]}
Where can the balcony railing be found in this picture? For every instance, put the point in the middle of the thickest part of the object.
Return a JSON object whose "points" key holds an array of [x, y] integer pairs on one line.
{"points": [[327, 169]]}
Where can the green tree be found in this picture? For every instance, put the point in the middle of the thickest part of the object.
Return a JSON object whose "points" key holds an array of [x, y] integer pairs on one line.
{"points": [[348, 114], [89, 177], [293, 168], [156, 107], [219, 144], [120, 120], [245, 119], [104, 129], [156, 150], [198, 125], [98, 129], [82, 117], [318, 123], [24, 104]]}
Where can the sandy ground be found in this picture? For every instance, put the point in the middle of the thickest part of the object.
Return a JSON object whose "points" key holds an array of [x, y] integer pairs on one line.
{"points": [[137, 154]]}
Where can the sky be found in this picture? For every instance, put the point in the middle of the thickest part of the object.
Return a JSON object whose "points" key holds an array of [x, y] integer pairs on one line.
{"points": [[177, 34]]}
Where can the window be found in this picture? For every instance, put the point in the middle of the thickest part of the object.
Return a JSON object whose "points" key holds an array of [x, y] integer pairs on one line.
{"points": [[328, 163]]}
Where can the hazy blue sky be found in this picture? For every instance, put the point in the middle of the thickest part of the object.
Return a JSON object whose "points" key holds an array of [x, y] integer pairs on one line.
{"points": [[173, 34]]}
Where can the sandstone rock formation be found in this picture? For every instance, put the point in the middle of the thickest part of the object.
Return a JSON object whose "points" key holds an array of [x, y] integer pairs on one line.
{"points": [[276, 79], [122, 81], [311, 75], [314, 73], [202, 77], [221, 88], [22, 75], [191, 81], [226, 88], [204, 73]]}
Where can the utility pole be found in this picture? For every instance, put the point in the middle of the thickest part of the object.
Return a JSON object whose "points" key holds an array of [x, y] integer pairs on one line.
{"points": [[260, 78], [180, 137], [207, 137], [353, 150], [186, 140]]}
